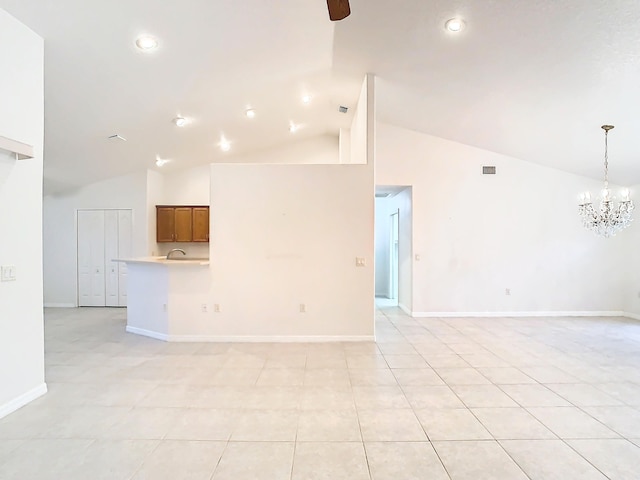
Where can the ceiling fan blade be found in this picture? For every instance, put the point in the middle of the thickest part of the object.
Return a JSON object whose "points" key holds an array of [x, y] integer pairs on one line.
{"points": [[338, 9]]}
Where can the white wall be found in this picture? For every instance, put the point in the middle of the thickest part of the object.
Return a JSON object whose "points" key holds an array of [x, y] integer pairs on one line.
{"points": [[478, 234], [286, 235], [59, 229], [320, 150], [632, 236], [22, 119]]}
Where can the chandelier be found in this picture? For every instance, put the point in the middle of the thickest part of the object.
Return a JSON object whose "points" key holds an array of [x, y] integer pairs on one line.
{"points": [[610, 218]]}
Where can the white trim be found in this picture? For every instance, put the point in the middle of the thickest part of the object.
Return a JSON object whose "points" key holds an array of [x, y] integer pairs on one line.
{"points": [[635, 316], [405, 309], [60, 305], [251, 338], [22, 400], [22, 151], [516, 314], [148, 333]]}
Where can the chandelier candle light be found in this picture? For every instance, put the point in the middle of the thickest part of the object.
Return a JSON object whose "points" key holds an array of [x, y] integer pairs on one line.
{"points": [[609, 219]]}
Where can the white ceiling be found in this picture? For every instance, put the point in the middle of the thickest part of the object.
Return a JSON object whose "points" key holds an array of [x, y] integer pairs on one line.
{"points": [[534, 80]]}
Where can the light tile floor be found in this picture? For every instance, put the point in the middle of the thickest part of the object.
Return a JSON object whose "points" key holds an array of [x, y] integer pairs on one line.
{"points": [[432, 399]]}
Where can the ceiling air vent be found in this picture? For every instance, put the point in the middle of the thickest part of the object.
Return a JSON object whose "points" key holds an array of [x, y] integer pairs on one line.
{"points": [[489, 170], [343, 109]]}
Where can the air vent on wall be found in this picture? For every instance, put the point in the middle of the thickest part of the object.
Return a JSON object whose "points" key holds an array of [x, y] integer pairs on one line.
{"points": [[343, 109], [489, 170]]}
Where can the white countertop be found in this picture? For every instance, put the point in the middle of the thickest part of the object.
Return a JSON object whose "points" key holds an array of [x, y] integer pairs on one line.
{"points": [[174, 261]]}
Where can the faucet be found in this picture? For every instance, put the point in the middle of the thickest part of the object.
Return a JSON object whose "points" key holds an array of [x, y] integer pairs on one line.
{"points": [[175, 250]]}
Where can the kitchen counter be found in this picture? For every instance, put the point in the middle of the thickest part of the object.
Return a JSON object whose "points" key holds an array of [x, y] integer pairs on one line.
{"points": [[173, 261]]}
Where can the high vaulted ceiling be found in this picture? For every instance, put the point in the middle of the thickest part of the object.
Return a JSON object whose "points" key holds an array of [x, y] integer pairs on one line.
{"points": [[533, 80]]}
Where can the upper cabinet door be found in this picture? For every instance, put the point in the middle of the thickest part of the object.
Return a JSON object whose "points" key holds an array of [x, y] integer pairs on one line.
{"points": [[200, 224], [184, 228], [165, 224]]}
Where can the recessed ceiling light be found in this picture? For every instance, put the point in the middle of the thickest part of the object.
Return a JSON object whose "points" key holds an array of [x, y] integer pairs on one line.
{"points": [[306, 99], [455, 25], [293, 128], [225, 146], [180, 121], [251, 113], [146, 43], [161, 161]]}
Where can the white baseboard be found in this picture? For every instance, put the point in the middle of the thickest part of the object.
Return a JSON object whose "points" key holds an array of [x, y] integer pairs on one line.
{"points": [[405, 309], [147, 333], [516, 314], [635, 316], [22, 400], [59, 305], [251, 338]]}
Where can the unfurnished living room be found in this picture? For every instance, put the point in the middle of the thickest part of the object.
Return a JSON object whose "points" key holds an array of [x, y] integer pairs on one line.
{"points": [[319, 240]]}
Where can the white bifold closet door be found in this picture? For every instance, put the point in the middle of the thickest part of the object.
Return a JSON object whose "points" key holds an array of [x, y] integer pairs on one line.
{"points": [[102, 236]]}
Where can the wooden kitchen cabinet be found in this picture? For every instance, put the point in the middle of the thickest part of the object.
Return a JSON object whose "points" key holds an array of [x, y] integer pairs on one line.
{"points": [[182, 223], [200, 222]]}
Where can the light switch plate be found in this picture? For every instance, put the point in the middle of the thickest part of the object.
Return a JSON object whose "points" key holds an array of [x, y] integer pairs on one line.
{"points": [[361, 262], [8, 273]]}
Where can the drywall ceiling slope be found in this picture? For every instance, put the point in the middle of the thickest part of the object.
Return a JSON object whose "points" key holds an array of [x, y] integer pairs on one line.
{"points": [[533, 80], [214, 60]]}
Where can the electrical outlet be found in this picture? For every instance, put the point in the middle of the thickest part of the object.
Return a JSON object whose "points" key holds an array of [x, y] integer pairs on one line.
{"points": [[507, 291], [216, 308], [361, 262], [204, 308], [303, 308], [8, 273]]}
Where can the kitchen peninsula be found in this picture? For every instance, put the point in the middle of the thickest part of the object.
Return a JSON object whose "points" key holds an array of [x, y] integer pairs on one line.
{"points": [[161, 292]]}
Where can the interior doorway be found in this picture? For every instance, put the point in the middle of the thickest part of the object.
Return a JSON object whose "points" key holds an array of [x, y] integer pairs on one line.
{"points": [[393, 237]]}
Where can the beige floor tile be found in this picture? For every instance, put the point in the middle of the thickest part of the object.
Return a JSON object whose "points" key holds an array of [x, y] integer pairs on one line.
{"points": [[326, 377], [7, 447], [203, 424], [366, 361], [406, 361], [623, 420], [379, 397], [461, 376], [452, 424], [404, 460], [550, 460], [44, 459], [266, 425], [534, 396], [334, 460], [98, 459], [512, 423], [329, 426], [506, 376], [482, 460], [432, 397], [320, 398], [370, 377], [409, 377], [255, 461], [390, 426], [182, 460], [583, 395], [141, 423], [483, 396], [570, 422], [281, 377], [617, 459]]}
